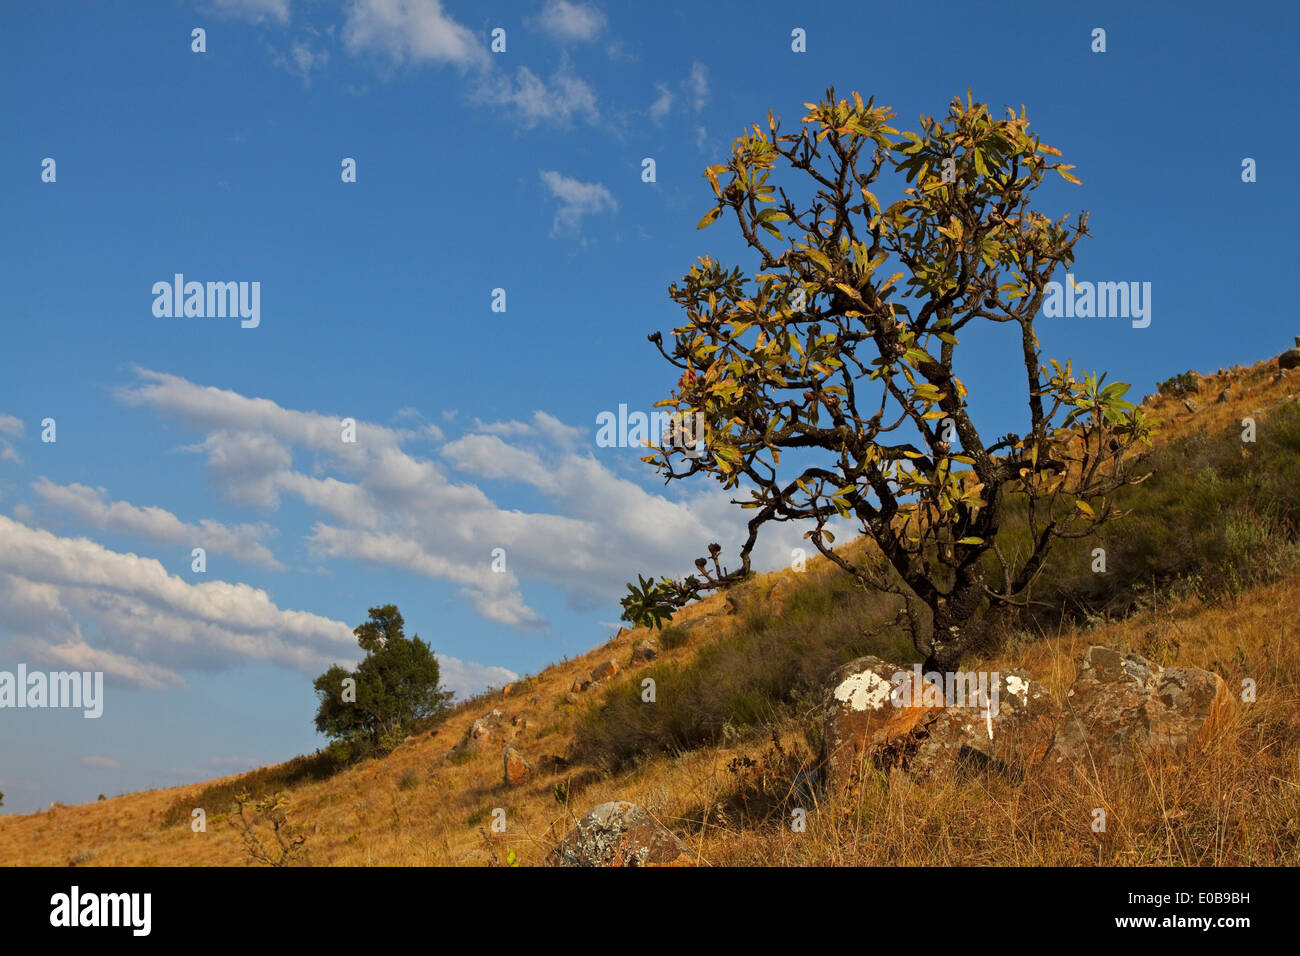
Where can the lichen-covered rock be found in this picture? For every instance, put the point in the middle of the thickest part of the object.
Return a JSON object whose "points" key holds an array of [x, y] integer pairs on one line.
{"points": [[619, 833], [858, 716], [482, 731], [646, 649], [1010, 738], [517, 769], [1120, 703]]}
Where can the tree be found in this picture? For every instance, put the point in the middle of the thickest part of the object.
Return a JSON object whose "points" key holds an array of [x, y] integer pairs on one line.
{"points": [[824, 356], [395, 684]]}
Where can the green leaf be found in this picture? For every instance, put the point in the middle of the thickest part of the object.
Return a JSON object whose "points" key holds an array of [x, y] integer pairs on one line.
{"points": [[709, 217]]}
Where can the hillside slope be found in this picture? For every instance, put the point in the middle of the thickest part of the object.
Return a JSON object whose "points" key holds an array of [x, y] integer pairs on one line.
{"points": [[430, 804]]}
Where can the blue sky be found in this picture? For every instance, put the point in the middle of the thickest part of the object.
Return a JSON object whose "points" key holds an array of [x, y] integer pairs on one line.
{"points": [[476, 429]]}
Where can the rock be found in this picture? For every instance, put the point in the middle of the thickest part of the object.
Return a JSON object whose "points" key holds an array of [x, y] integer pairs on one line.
{"points": [[742, 597], [1224, 396], [689, 630], [856, 708], [517, 769], [646, 649], [1289, 359], [482, 731], [571, 698], [580, 685], [607, 669], [781, 592], [1011, 738], [619, 833], [946, 728], [1190, 405], [1121, 702]]}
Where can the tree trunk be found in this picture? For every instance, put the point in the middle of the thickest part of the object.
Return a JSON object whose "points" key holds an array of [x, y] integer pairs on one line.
{"points": [[958, 624]]}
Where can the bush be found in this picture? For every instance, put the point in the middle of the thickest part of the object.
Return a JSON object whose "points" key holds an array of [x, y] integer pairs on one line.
{"points": [[747, 679], [1216, 514]]}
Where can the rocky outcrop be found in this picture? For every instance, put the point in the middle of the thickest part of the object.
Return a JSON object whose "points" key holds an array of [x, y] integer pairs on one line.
{"points": [[1122, 703], [483, 731], [646, 649], [933, 725], [1291, 357], [605, 670], [619, 833], [517, 769], [856, 710], [1011, 737]]}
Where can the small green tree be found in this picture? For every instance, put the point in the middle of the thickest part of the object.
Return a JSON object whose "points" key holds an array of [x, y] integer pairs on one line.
{"points": [[396, 684], [840, 354]]}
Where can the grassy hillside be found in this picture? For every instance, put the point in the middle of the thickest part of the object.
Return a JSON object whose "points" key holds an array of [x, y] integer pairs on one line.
{"points": [[1206, 573]]}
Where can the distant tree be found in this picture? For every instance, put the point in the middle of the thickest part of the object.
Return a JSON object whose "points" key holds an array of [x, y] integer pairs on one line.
{"points": [[396, 684], [827, 386]]}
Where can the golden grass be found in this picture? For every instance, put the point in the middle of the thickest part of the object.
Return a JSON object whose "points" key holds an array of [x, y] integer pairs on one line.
{"points": [[1237, 802]]}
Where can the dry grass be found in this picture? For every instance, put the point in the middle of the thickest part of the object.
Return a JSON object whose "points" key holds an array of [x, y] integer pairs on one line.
{"points": [[1236, 803]]}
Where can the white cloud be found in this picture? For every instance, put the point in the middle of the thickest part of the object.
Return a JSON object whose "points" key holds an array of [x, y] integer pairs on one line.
{"points": [[12, 428], [415, 31], [534, 101], [383, 505], [467, 678], [148, 624], [662, 104], [301, 60], [564, 20], [243, 542], [254, 11], [577, 199], [698, 85]]}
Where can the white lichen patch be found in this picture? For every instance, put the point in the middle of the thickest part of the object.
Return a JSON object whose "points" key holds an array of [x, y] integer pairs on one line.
{"points": [[1019, 687], [865, 691]]}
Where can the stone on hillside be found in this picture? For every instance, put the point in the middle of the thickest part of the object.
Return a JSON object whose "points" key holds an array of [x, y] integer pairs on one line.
{"points": [[571, 698], [1009, 738], [938, 728], [1289, 359], [742, 597], [607, 669], [698, 625], [1225, 396], [1190, 405], [1122, 701], [517, 769], [857, 707], [619, 833], [646, 649], [580, 685], [479, 733]]}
